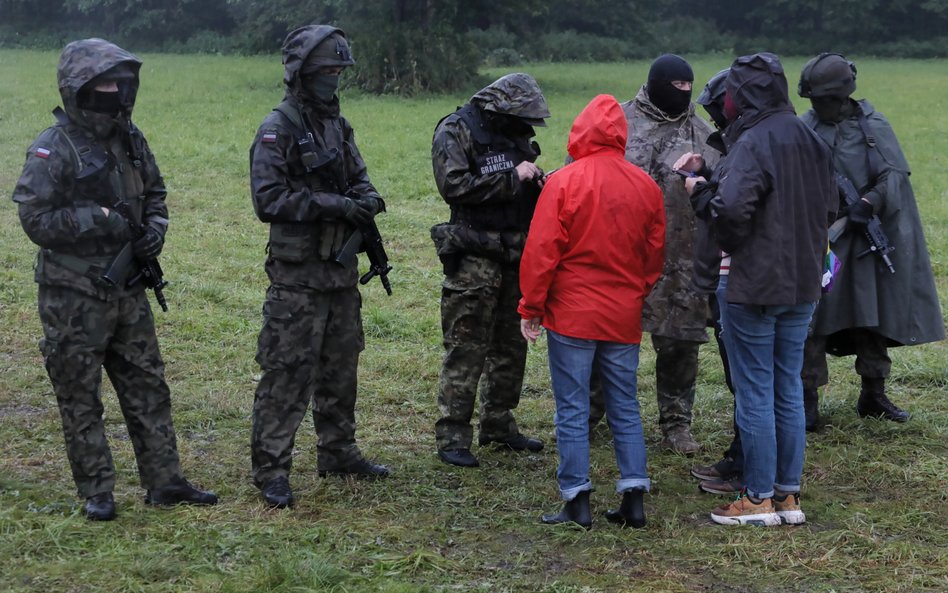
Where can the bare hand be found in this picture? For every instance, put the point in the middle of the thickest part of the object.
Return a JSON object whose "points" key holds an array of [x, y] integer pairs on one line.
{"points": [[530, 329], [690, 162], [691, 182], [527, 171], [104, 210]]}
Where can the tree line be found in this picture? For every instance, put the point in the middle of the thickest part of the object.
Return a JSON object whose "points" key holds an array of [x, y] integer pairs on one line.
{"points": [[410, 46]]}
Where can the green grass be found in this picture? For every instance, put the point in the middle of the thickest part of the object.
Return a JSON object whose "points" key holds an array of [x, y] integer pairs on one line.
{"points": [[875, 492]]}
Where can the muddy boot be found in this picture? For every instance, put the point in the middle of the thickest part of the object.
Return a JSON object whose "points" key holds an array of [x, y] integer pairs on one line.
{"points": [[679, 440], [631, 513], [576, 510], [811, 409], [873, 402]]}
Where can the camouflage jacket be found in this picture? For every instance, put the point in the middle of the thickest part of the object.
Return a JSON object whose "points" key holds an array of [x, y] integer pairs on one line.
{"points": [[674, 308], [65, 217]]}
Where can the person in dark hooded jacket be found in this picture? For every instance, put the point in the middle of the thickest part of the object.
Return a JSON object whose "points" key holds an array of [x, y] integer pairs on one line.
{"points": [[775, 197], [483, 160], [92, 301], [869, 308], [309, 182]]}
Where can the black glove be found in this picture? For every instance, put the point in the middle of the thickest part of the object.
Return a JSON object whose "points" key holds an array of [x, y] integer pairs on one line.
{"points": [[355, 213], [149, 245], [371, 203], [860, 213]]}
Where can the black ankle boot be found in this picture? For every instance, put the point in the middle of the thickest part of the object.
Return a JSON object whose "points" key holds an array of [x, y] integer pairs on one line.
{"points": [[631, 513], [873, 402], [811, 409], [576, 510], [100, 507]]}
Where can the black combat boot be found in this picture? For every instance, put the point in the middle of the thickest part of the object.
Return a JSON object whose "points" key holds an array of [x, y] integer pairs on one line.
{"points": [[811, 409], [277, 494], [458, 457], [360, 468], [873, 402], [518, 442], [631, 513], [576, 510], [179, 492], [100, 507]]}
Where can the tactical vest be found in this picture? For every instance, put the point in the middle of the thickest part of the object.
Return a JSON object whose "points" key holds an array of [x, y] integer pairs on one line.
{"points": [[101, 176], [496, 153], [323, 168]]}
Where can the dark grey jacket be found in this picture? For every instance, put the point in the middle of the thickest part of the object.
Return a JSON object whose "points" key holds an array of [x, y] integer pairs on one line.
{"points": [[776, 193]]}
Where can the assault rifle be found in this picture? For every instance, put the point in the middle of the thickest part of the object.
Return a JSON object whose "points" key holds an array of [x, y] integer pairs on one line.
{"points": [[878, 241], [367, 238], [150, 274]]}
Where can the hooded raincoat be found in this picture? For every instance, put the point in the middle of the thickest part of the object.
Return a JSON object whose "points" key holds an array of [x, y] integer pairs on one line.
{"points": [[902, 306], [596, 242]]}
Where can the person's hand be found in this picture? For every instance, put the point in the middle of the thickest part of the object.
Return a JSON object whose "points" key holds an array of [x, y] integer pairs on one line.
{"points": [[692, 182], [149, 245], [690, 162], [528, 171], [104, 210], [860, 213], [355, 213], [530, 329]]}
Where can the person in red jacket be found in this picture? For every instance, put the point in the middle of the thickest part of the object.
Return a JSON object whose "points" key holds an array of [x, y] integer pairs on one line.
{"points": [[594, 250]]}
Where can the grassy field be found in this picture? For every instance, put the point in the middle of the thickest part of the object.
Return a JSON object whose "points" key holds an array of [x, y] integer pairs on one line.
{"points": [[875, 493]]}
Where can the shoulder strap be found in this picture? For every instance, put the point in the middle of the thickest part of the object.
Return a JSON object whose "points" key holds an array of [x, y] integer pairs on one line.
{"points": [[91, 159], [471, 116], [292, 115], [872, 149]]}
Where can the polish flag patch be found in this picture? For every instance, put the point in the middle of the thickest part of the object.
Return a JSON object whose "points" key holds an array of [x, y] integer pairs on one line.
{"points": [[42, 153], [269, 137]]}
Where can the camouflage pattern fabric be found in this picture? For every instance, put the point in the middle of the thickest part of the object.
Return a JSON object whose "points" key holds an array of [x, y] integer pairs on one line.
{"points": [[309, 351], [483, 346], [513, 94], [83, 334], [872, 357], [309, 345]]}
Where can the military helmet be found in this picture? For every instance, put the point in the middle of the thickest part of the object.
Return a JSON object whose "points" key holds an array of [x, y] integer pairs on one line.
{"points": [[713, 93], [827, 75], [331, 51]]}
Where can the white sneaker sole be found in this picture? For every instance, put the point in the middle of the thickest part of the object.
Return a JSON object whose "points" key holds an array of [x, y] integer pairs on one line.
{"points": [[761, 519], [792, 517]]}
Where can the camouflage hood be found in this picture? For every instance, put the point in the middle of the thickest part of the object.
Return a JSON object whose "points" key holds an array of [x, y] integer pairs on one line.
{"points": [[296, 48], [515, 94], [83, 60]]}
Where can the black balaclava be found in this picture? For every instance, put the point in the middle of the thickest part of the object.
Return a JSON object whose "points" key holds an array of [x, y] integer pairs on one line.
{"points": [[659, 88], [832, 109]]}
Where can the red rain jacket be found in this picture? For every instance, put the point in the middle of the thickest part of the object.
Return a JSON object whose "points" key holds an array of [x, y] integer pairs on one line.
{"points": [[596, 242]]}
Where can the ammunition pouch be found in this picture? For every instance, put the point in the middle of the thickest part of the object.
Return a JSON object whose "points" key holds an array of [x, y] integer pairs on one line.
{"points": [[296, 242], [105, 272], [454, 241]]}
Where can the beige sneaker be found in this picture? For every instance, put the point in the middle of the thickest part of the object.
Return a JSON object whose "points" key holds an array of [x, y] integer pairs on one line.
{"points": [[680, 440], [788, 509], [743, 511]]}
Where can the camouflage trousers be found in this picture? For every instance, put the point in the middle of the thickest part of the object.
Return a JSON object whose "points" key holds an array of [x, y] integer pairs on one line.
{"points": [[483, 348], [872, 357], [83, 334], [308, 350], [676, 370]]}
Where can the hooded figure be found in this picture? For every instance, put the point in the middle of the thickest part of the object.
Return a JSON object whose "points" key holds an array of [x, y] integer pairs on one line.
{"points": [[483, 161], [662, 126], [775, 195], [869, 308], [82, 178], [594, 252], [310, 184]]}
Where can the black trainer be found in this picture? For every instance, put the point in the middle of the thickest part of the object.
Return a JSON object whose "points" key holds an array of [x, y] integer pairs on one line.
{"points": [[277, 494], [100, 507], [458, 457], [179, 492], [360, 468], [518, 442]]}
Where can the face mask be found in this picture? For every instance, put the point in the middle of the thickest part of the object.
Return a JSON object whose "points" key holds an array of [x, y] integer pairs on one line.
{"points": [[104, 102], [666, 97], [830, 109], [321, 86]]}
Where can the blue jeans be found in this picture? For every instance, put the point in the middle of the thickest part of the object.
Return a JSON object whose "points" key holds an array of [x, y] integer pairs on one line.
{"points": [[765, 352], [571, 362]]}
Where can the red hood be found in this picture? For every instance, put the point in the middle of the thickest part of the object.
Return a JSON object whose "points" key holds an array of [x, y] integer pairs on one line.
{"points": [[601, 126]]}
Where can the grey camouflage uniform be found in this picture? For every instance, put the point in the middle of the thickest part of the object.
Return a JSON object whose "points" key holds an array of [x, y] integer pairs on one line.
{"points": [[675, 313], [481, 249], [309, 346], [88, 324]]}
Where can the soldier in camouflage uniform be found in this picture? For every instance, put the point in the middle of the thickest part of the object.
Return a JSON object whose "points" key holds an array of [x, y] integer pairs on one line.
{"points": [[483, 162], [92, 302], [663, 126], [309, 182]]}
